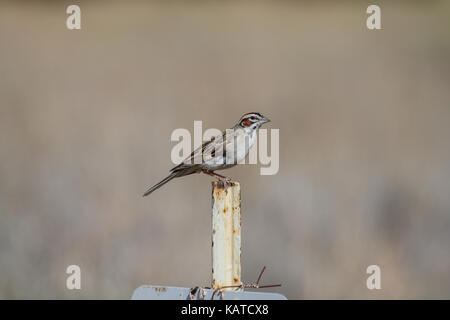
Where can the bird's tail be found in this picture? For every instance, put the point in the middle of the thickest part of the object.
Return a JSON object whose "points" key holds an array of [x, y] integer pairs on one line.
{"points": [[161, 183]]}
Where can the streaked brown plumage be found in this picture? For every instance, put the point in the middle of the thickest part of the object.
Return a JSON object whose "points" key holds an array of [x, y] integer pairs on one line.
{"points": [[221, 152]]}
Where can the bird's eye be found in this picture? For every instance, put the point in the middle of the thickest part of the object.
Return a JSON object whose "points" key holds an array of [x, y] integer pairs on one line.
{"points": [[253, 118]]}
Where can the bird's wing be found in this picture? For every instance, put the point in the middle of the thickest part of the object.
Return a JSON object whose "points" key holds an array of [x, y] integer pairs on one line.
{"points": [[223, 147], [196, 157], [210, 149]]}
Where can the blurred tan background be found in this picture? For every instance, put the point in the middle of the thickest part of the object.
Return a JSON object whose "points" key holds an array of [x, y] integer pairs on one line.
{"points": [[85, 124]]}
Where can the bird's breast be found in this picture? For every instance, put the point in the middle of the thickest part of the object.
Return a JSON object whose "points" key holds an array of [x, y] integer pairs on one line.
{"points": [[234, 152]]}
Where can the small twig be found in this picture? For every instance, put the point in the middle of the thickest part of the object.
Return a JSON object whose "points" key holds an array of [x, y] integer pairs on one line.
{"points": [[260, 274], [250, 285], [270, 286]]}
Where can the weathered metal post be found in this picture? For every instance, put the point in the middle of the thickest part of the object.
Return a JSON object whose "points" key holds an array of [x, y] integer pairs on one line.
{"points": [[226, 257], [226, 235]]}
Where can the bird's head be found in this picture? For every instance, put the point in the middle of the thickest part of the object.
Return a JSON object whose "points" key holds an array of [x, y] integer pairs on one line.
{"points": [[252, 120]]}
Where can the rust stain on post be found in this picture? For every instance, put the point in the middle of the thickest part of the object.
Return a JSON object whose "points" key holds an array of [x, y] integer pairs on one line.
{"points": [[226, 235]]}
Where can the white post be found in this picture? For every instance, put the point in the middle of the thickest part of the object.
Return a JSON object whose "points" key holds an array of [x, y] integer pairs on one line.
{"points": [[226, 235]]}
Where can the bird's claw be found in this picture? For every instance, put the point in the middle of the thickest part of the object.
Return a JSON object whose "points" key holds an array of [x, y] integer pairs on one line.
{"points": [[226, 181]]}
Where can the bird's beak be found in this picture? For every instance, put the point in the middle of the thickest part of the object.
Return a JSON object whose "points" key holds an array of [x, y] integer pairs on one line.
{"points": [[265, 120]]}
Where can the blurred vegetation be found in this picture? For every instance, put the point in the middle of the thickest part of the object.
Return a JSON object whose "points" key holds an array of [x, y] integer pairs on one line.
{"points": [[85, 124]]}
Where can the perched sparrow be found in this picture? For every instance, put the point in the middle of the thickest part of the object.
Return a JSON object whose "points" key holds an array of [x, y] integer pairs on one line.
{"points": [[221, 152]]}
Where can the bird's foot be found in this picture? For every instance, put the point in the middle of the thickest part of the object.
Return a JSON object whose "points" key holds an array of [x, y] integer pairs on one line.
{"points": [[225, 180]]}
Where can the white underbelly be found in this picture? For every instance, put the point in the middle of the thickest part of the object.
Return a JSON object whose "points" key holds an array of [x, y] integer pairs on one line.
{"points": [[235, 154]]}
